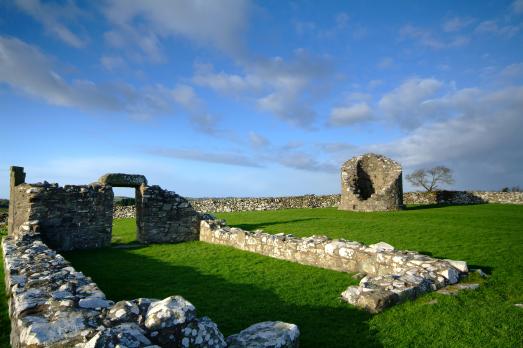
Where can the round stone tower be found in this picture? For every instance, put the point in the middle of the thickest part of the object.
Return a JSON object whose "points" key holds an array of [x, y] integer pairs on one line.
{"points": [[371, 182]]}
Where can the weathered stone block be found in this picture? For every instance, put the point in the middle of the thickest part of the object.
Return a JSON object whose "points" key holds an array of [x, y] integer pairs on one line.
{"points": [[123, 180]]}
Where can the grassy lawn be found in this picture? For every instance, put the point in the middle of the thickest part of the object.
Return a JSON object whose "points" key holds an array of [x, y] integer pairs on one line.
{"points": [[237, 288]]}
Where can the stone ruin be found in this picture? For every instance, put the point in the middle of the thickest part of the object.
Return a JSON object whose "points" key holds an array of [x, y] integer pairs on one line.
{"points": [[80, 216], [53, 305], [371, 182]]}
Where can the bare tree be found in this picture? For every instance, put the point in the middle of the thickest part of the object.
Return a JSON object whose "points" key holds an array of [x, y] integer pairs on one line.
{"points": [[429, 179]]}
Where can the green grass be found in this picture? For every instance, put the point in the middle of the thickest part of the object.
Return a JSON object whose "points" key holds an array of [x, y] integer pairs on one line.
{"points": [[237, 288]]}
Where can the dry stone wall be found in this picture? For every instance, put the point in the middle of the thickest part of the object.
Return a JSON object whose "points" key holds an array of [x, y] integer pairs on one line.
{"points": [[165, 217], [392, 276], [463, 197], [72, 217], [219, 205], [54, 306]]}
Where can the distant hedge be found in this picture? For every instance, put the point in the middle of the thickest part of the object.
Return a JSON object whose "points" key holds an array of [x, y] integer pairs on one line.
{"points": [[124, 201]]}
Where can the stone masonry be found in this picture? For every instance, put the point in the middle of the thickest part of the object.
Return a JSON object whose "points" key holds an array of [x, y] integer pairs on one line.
{"points": [[71, 217], [80, 216], [371, 182], [52, 305], [165, 217], [392, 276]]}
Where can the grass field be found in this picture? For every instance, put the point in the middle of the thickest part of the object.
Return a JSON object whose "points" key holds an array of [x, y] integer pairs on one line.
{"points": [[237, 288]]}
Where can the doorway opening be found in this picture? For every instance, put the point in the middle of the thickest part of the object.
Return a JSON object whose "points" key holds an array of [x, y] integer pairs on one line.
{"points": [[125, 224]]}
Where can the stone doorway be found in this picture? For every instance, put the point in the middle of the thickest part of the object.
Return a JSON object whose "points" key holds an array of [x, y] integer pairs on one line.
{"points": [[133, 181]]}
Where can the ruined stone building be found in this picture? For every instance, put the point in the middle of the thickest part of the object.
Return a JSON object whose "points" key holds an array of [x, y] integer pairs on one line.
{"points": [[371, 182]]}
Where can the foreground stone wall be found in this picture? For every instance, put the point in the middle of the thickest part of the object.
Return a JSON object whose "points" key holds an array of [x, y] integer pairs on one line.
{"points": [[54, 306], [71, 217], [392, 276], [165, 217]]}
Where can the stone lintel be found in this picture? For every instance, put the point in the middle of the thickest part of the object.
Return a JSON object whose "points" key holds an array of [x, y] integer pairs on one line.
{"points": [[123, 180]]}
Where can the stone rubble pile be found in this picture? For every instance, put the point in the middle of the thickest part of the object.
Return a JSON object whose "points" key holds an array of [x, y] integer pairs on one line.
{"points": [[53, 305], [392, 276]]}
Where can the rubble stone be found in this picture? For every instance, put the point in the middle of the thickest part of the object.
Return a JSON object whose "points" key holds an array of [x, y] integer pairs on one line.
{"points": [[267, 334]]}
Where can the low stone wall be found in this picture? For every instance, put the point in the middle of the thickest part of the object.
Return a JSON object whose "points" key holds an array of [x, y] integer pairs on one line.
{"points": [[462, 197], [218, 205], [54, 306], [124, 212], [391, 275]]}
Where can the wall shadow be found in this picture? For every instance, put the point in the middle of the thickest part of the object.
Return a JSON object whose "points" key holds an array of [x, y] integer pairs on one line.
{"points": [[261, 225], [124, 274], [436, 206]]}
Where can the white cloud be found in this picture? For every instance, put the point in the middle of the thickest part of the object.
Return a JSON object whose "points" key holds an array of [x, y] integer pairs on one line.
{"points": [[492, 27], [52, 16], [457, 23], [375, 83], [342, 19], [517, 6], [24, 68], [185, 96], [426, 38], [348, 115], [385, 63], [143, 23], [257, 140], [482, 141], [410, 102], [303, 161], [112, 62], [229, 158], [285, 88], [512, 71], [226, 83]]}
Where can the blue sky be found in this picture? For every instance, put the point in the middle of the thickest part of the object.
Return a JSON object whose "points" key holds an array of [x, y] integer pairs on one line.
{"points": [[260, 98]]}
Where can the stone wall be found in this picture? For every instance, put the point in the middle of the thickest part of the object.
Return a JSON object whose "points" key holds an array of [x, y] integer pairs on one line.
{"points": [[165, 217], [54, 306], [218, 205], [391, 275], [71, 217], [463, 197]]}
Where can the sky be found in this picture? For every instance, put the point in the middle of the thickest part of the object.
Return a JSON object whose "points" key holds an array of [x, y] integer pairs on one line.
{"points": [[260, 98]]}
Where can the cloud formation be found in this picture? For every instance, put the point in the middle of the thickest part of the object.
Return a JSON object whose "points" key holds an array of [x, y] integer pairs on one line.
{"points": [[145, 23], [348, 115], [55, 18], [286, 88]]}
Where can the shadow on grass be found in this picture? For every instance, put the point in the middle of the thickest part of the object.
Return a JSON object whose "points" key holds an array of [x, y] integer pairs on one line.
{"points": [[123, 274], [261, 225], [434, 206]]}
